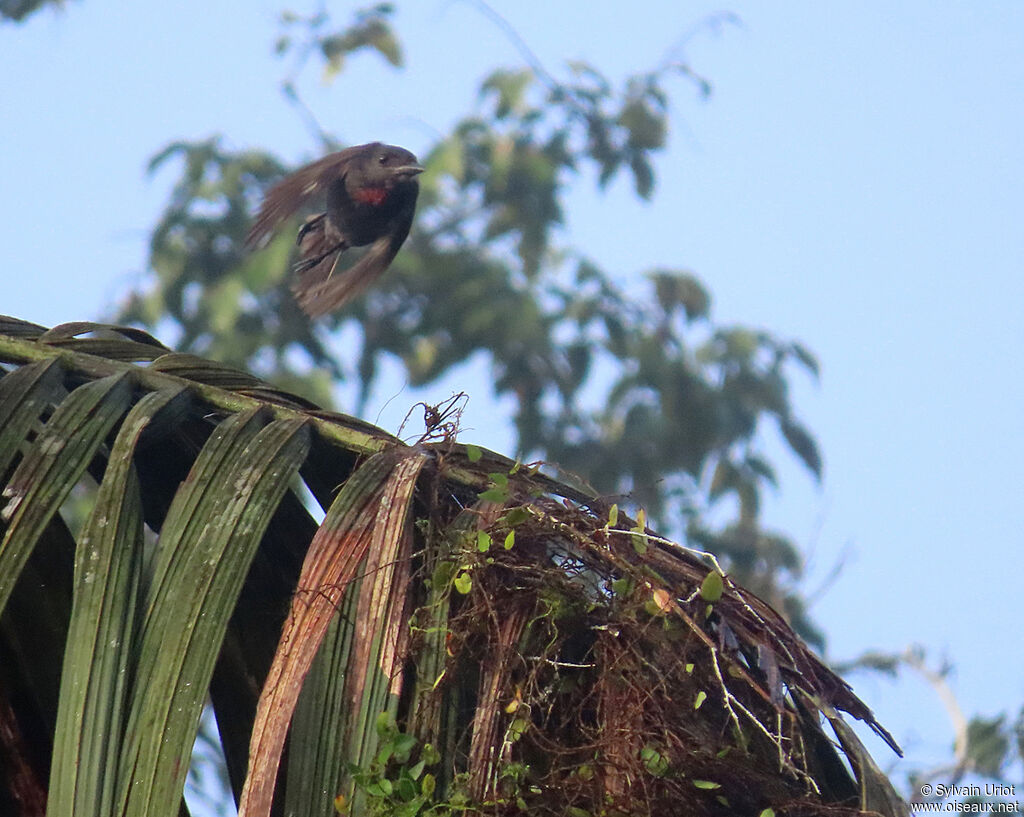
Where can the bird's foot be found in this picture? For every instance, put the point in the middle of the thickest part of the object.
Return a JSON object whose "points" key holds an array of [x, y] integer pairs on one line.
{"points": [[311, 223], [309, 263]]}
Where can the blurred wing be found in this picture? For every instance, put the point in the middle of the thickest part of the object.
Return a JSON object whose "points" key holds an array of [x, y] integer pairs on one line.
{"points": [[323, 288], [292, 192]]}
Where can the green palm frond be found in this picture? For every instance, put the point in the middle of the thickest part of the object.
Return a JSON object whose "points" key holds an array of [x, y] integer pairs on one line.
{"points": [[458, 632]]}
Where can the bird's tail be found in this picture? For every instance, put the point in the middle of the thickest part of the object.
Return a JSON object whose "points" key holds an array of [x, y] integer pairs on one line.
{"points": [[321, 287]]}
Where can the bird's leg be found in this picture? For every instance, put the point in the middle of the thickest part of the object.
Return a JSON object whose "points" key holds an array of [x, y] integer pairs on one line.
{"points": [[309, 263], [309, 224], [314, 233]]}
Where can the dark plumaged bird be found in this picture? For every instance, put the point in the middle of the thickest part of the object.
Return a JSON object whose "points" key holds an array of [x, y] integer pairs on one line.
{"points": [[371, 197]]}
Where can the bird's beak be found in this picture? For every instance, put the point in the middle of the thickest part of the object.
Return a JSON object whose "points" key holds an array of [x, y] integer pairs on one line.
{"points": [[408, 170]]}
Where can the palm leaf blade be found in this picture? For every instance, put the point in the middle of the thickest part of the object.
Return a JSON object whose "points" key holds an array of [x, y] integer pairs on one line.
{"points": [[101, 630], [52, 466], [23, 395], [339, 546], [239, 479]]}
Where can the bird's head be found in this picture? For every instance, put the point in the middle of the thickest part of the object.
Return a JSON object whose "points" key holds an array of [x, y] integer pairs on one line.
{"points": [[387, 166]]}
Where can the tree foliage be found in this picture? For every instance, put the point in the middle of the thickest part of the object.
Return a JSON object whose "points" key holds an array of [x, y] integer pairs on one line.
{"points": [[637, 391], [21, 10]]}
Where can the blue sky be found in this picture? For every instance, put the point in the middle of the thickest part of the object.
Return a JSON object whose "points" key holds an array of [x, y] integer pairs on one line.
{"points": [[855, 182]]}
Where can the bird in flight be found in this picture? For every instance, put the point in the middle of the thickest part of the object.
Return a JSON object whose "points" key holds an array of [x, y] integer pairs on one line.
{"points": [[371, 195]]}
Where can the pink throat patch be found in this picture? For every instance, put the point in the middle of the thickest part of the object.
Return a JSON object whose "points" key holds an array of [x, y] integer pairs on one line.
{"points": [[370, 195]]}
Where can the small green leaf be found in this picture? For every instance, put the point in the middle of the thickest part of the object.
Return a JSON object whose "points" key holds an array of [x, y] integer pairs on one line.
{"points": [[585, 772], [613, 516], [701, 697], [623, 586], [768, 812], [473, 453], [674, 289], [428, 785], [515, 516], [706, 784], [640, 540], [510, 540], [712, 587], [655, 762], [509, 88], [380, 788], [803, 445], [443, 574], [494, 495], [403, 745], [385, 753], [464, 582], [517, 729], [385, 724], [483, 541], [807, 358], [430, 754], [407, 791], [499, 479]]}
